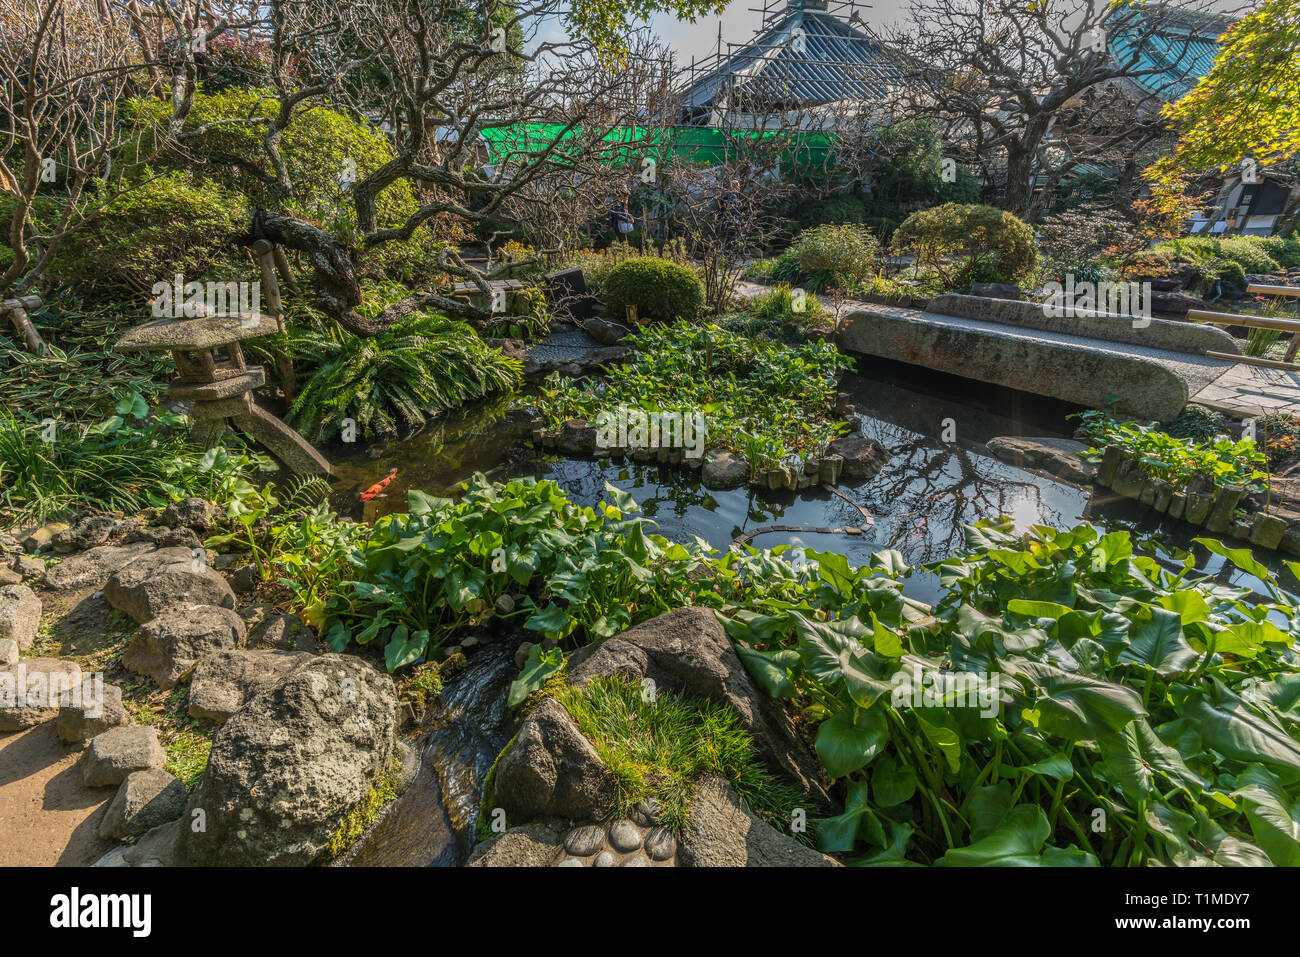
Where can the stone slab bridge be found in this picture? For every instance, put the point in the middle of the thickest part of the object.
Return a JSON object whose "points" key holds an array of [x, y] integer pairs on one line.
{"points": [[1153, 369]]}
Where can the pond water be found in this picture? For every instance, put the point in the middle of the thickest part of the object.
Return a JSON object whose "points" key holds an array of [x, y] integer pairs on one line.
{"points": [[927, 491]]}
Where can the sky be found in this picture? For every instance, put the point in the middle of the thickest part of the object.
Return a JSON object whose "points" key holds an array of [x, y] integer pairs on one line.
{"points": [[741, 19]]}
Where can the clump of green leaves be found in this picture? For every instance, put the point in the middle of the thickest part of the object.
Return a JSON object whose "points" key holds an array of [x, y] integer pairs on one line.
{"points": [[660, 747], [133, 459], [1175, 460], [396, 380], [423, 577], [1124, 682], [755, 394]]}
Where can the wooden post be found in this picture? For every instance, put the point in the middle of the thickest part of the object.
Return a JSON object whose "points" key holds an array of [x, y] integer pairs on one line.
{"points": [[268, 260]]}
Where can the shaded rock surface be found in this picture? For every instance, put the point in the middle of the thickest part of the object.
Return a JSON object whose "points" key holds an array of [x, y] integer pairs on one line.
{"points": [[863, 457], [724, 469], [167, 647], [223, 683], [145, 800], [551, 770], [95, 566], [286, 769], [533, 845], [722, 832]]}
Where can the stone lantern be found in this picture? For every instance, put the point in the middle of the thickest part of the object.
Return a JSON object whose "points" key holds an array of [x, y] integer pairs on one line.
{"points": [[219, 384]]}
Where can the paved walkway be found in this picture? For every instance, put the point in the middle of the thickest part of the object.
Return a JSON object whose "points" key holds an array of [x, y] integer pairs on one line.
{"points": [[1251, 391]]}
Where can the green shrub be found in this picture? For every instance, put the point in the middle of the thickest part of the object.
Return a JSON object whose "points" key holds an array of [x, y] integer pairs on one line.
{"points": [[958, 240], [659, 288], [175, 223], [836, 209], [835, 255], [1249, 253], [778, 305], [422, 364], [1285, 251]]}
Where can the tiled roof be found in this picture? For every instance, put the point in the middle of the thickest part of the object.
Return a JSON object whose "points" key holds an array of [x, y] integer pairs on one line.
{"points": [[1179, 51], [838, 62]]}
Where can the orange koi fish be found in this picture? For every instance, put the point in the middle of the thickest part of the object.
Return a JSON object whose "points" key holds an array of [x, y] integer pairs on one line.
{"points": [[375, 490]]}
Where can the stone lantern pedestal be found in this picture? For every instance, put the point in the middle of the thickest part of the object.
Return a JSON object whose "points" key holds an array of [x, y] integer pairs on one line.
{"points": [[219, 384]]}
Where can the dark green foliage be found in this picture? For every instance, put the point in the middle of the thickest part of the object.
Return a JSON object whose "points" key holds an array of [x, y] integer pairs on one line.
{"points": [[660, 289], [175, 223], [969, 243], [1197, 423], [394, 381], [829, 256], [835, 209]]}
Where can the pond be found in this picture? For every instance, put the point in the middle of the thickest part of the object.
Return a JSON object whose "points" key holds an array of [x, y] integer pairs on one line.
{"points": [[938, 477]]}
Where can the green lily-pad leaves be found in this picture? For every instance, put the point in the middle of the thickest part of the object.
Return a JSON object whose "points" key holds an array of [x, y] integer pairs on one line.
{"points": [[537, 671], [850, 739], [1018, 842]]}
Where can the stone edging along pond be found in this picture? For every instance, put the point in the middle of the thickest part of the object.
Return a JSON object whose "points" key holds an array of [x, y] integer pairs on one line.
{"points": [[851, 456], [1199, 502]]}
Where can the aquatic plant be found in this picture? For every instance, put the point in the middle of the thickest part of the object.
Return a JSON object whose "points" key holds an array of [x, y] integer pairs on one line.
{"points": [[752, 392], [1176, 460]]}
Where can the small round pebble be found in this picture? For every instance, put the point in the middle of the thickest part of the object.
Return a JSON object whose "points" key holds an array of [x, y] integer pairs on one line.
{"points": [[637, 860], [604, 859], [646, 813], [584, 841], [571, 862], [624, 836], [660, 844]]}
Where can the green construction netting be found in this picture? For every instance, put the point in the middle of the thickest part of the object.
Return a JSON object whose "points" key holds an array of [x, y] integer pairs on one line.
{"points": [[629, 145]]}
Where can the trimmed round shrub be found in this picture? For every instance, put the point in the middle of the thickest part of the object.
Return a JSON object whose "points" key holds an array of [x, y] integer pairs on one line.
{"points": [[835, 255], [175, 223], [660, 289], [958, 240]]}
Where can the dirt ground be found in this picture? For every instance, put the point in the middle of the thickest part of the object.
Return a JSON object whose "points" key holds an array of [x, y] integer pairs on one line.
{"points": [[47, 816]]}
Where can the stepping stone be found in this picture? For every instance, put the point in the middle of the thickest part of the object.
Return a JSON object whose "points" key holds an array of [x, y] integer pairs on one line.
{"points": [[585, 841], [114, 755], [660, 844], [624, 836], [95, 712], [145, 800]]}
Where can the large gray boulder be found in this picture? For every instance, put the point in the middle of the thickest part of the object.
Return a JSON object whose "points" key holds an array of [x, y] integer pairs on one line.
{"points": [[688, 651], [31, 689], [117, 753], [287, 768], [169, 578], [721, 832], [20, 614], [193, 513], [145, 800], [282, 633], [95, 566], [551, 770], [169, 646], [226, 681]]}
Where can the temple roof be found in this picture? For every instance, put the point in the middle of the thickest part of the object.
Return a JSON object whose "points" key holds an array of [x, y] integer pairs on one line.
{"points": [[808, 57]]}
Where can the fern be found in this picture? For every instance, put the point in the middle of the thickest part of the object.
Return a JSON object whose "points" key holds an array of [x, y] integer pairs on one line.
{"points": [[395, 381]]}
